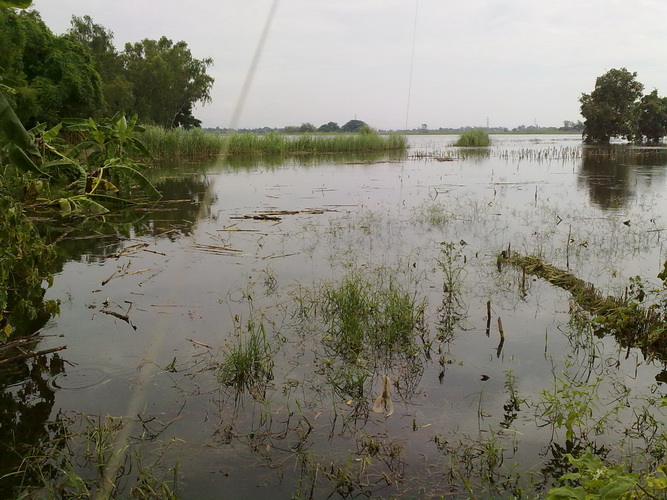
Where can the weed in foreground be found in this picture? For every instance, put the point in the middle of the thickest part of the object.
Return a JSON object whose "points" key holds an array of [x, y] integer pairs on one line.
{"points": [[370, 321], [248, 365], [72, 463]]}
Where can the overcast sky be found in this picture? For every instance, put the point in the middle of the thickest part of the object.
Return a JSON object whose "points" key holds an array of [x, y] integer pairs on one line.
{"points": [[510, 62]]}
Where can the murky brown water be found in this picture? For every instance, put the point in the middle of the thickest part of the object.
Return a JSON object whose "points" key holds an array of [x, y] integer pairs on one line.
{"points": [[243, 243]]}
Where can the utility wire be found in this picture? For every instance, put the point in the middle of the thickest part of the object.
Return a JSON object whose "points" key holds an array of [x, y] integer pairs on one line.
{"points": [[412, 63]]}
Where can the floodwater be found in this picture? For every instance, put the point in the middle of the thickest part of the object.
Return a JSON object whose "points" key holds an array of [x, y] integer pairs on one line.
{"points": [[153, 302]]}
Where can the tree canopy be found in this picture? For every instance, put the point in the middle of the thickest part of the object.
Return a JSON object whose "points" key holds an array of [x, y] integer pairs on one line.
{"points": [[81, 74], [352, 126], [616, 108], [167, 81]]}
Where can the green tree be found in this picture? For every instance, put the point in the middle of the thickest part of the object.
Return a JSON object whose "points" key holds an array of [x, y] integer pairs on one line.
{"points": [[52, 77], [329, 127], [167, 81], [353, 126], [98, 41], [610, 110], [652, 117], [307, 128]]}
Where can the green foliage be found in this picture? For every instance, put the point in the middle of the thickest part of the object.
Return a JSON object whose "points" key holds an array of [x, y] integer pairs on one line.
{"points": [[80, 74], [25, 260], [352, 126], [273, 143], [59, 74], [15, 142], [167, 81], [476, 137], [611, 109], [177, 142], [593, 479], [367, 319], [19, 4], [248, 365], [329, 127], [652, 117], [573, 405]]}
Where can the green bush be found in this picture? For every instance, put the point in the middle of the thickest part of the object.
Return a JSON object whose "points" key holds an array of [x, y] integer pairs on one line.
{"points": [[476, 137]]}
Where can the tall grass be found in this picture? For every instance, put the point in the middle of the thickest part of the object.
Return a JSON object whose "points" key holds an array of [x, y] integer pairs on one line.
{"points": [[370, 318], [274, 143], [163, 143], [196, 142], [476, 137]]}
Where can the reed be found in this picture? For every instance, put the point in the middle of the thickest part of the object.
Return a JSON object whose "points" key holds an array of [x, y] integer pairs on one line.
{"points": [[273, 143], [172, 143], [476, 137]]}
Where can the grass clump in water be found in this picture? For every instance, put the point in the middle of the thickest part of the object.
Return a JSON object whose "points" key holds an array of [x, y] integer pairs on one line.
{"points": [[366, 319], [265, 144], [248, 365], [476, 137]]}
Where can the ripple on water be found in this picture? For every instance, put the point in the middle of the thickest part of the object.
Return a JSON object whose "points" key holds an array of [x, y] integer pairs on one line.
{"points": [[81, 378]]}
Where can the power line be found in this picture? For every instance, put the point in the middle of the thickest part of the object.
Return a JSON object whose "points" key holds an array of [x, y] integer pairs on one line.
{"points": [[412, 63]]}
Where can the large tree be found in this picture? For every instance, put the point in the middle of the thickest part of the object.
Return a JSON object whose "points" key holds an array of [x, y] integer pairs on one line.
{"points": [[98, 41], [353, 126], [652, 117], [52, 77], [167, 81], [611, 109]]}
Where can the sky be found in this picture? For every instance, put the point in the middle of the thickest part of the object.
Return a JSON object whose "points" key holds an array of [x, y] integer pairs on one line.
{"points": [[392, 63]]}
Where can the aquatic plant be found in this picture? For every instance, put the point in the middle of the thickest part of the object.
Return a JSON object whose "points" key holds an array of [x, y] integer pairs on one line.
{"points": [[177, 142], [273, 143], [369, 319], [248, 365], [626, 319], [24, 267], [476, 137], [71, 461], [595, 479]]}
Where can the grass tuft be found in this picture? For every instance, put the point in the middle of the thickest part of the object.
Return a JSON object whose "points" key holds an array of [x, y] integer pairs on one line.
{"points": [[477, 137]]}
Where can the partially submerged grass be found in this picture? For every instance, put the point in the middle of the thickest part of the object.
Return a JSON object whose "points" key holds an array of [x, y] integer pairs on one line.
{"points": [[632, 324], [368, 320], [279, 144], [173, 143], [248, 365], [477, 137], [72, 461]]}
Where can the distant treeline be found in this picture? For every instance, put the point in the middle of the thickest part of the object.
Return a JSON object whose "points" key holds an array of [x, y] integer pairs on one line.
{"points": [[48, 77], [356, 125]]}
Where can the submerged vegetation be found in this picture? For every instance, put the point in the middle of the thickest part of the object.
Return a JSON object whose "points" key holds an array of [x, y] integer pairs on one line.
{"points": [[475, 138], [277, 144], [198, 143], [631, 323]]}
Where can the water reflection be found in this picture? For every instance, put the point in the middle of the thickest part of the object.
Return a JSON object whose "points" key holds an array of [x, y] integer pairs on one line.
{"points": [[28, 383], [615, 175]]}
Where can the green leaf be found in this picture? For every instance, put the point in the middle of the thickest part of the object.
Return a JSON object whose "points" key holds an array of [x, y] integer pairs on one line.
{"points": [[65, 206], [618, 487], [18, 4], [566, 492], [136, 176], [52, 133]]}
